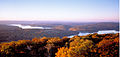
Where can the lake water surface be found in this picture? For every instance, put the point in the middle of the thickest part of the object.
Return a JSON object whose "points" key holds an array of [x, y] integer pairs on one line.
{"points": [[99, 32], [29, 27]]}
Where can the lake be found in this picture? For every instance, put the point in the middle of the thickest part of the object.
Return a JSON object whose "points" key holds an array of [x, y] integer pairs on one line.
{"points": [[29, 27], [99, 32]]}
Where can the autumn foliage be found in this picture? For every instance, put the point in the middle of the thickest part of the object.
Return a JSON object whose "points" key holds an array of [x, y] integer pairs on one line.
{"points": [[92, 45]]}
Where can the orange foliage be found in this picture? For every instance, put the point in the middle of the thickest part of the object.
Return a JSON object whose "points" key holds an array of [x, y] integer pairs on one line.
{"points": [[103, 45]]}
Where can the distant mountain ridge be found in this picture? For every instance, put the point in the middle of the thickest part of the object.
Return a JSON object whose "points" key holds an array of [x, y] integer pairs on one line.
{"points": [[96, 27]]}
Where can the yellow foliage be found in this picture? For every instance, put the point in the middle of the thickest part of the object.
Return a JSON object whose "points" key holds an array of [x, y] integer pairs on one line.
{"points": [[53, 40], [62, 52]]}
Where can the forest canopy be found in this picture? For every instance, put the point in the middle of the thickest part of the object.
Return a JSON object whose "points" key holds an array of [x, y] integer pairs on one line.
{"points": [[92, 45]]}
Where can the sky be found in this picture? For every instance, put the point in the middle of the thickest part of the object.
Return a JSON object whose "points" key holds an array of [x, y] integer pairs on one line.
{"points": [[60, 10]]}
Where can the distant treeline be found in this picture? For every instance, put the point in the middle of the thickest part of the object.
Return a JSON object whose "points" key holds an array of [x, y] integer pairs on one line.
{"points": [[92, 45]]}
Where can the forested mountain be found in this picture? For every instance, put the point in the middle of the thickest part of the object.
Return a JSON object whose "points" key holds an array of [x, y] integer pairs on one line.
{"points": [[96, 27], [14, 34], [92, 45]]}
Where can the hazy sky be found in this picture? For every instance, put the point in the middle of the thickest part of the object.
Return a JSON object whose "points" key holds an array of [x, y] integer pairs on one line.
{"points": [[60, 10]]}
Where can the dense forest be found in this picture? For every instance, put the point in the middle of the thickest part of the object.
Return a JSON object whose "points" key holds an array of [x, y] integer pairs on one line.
{"points": [[92, 45]]}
